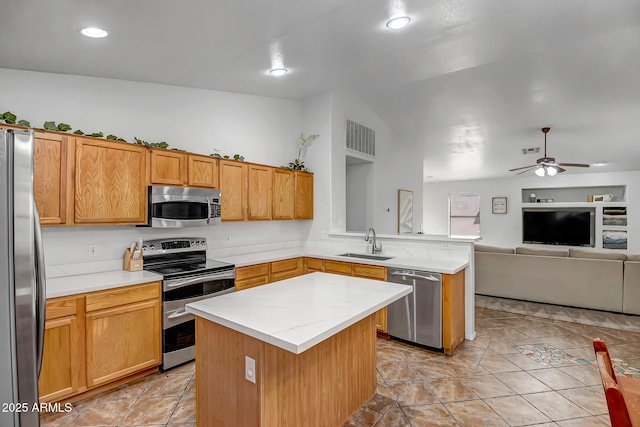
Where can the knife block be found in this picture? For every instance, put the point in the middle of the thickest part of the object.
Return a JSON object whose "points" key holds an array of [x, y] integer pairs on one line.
{"points": [[131, 264]]}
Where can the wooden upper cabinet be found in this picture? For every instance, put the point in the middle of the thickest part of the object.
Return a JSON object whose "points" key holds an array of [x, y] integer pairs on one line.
{"points": [[168, 167], [233, 187], [283, 194], [203, 171], [50, 177], [110, 182], [260, 192], [303, 195]]}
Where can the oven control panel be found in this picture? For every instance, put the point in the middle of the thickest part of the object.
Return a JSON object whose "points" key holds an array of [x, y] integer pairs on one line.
{"points": [[164, 246]]}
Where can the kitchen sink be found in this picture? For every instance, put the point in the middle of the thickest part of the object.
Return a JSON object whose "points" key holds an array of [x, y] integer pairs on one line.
{"points": [[367, 256]]}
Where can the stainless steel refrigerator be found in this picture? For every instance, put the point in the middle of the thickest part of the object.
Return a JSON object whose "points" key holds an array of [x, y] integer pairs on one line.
{"points": [[22, 283]]}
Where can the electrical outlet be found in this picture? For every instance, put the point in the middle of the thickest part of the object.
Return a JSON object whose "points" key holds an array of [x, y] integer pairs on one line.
{"points": [[323, 235], [250, 369], [227, 239], [92, 250]]}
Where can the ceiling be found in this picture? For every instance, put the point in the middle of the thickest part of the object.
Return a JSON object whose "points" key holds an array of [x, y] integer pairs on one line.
{"points": [[467, 84]]}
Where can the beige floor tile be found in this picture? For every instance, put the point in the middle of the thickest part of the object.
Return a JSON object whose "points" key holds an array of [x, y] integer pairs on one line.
{"points": [[516, 411], [182, 425], [397, 371], [496, 363], [415, 393], [363, 417], [185, 411], [394, 417], [379, 403], [502, 346], [582, 422], [186, 369], [588, 399], [522, 383], [388, 391], [587, 374], [555, 406], [578, 340], [511, 334], [389, 354], [558, 342], [585, 353], [544, 331], [604, 419], [487, 386], [58, 419], [462, 369], [556, 379], [429, 415], [151, 410], [479, 342], [524, 362], [170, 386], [474, 413], [433, 369], [451, 390], [106, 413]]}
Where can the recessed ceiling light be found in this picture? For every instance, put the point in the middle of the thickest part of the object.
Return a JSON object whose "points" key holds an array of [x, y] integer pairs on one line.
{"points": [[600, 163], [93, 32], [398, 23], [278, 71]]}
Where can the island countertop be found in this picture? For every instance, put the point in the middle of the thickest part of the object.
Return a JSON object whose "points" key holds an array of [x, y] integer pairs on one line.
{"points": [[298, 313]]}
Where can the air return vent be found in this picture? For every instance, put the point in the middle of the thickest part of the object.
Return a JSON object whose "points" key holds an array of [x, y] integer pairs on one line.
{"points": [[361, 138]]}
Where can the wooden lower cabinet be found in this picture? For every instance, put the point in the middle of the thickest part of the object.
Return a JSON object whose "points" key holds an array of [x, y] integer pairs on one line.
{"points": [[376, 273], [252, 275], [452, 311], [94, 339], [286, 269], [338, 267], [60, 376]]}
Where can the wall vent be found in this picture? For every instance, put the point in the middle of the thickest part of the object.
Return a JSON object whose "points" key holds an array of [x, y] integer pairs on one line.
{"points": [[361, 138], [534, 150]]}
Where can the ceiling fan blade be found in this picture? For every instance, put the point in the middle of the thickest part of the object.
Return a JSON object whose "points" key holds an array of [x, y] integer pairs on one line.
{"points": [[560, 170], [525, 171], [575, 165], [524, 167]]}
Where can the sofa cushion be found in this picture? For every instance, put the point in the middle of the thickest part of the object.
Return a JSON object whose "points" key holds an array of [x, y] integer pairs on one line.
{"points": [[633, 257], [494, 249], [522, 250], [586, 253]]}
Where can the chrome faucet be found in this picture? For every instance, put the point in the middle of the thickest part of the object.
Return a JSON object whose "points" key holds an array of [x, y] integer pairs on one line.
{"points": [[375, 246]]}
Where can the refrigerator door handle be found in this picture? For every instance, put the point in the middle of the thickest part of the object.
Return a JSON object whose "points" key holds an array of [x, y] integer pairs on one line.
{"points": [[41, 302]]}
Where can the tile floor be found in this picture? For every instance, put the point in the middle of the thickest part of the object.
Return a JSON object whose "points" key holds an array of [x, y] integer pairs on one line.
{"points": [[520, 370]]}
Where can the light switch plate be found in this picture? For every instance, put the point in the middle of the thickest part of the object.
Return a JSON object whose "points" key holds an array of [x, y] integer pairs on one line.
{"points": [[250, 369]]}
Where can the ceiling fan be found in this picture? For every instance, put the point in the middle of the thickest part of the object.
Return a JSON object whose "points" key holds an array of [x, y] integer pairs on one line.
{"points": [[547, 165]]}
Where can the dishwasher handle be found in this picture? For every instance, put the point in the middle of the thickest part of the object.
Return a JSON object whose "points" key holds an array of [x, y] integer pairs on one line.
{"points": [[414, 275]]}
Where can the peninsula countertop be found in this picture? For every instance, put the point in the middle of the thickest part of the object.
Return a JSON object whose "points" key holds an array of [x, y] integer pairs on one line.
{"points": [[298, 313]]}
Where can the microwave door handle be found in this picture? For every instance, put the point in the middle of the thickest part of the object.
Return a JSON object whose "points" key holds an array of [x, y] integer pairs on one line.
{"points": [[208, 210]]}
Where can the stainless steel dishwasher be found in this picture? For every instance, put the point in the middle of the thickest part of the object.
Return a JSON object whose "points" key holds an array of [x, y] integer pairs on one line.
{"points": [[417, 317]]}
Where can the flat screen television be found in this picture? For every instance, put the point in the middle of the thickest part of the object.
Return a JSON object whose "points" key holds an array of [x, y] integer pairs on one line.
{"points": [[570, 227]]}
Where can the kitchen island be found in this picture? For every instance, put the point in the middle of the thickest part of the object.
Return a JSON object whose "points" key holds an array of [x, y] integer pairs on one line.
{"points": [[313, 341]]}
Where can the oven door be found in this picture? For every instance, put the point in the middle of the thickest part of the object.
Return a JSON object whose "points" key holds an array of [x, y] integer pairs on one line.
{"points": [[177, 207]]}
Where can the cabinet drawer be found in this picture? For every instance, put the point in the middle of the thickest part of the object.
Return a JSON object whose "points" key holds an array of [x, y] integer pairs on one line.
{"points": [[251, 282], [338, 267], [61, 307], [286, 265], [370, 271], [251, 271], [314, 264], [121, 296]]}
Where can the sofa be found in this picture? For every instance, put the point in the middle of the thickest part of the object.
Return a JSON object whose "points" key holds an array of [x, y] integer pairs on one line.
{"points": [[576, 277]]}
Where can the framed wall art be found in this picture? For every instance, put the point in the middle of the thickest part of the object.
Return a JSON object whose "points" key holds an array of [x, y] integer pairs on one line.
{"points": [[499, 205]]}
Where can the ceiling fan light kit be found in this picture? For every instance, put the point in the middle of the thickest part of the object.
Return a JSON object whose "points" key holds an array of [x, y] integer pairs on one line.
{"points": [[547, 165]]}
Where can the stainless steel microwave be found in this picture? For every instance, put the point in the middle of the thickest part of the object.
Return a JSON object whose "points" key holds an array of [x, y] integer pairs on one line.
{"points": [[177, 207]]}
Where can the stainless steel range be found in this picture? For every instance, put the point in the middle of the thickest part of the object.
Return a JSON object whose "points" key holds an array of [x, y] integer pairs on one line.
{"points": [[188, 276]]}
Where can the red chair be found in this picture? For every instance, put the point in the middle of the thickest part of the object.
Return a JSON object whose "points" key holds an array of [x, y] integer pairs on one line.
{"points": [[623, 393]]}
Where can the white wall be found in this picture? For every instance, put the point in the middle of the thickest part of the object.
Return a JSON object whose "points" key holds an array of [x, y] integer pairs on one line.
{"points": [[264, 130], [506, 230], [394, 167], [359, 182]]}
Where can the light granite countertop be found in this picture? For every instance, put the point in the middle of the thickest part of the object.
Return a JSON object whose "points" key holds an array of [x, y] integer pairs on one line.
{"points": [[296, 314], [82, 283]]}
